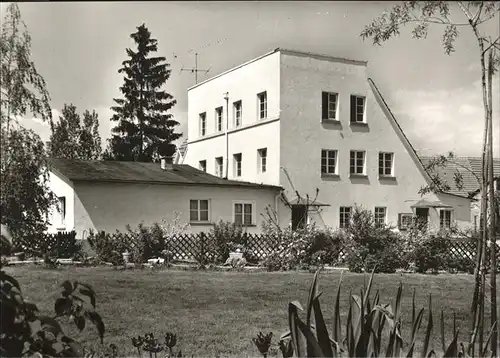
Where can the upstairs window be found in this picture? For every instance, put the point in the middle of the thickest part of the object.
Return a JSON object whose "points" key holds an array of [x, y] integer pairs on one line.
{"points": [[219, 169], [237, 164], [218, 119], [357, 162], [262, 101], [198, 211], [345, 216], [328, 161], [203, 165], [329, 106], [237, 113], [445, 218], [262, 165], [357, 109], [203, 124], [380, 216], [385, 164]]}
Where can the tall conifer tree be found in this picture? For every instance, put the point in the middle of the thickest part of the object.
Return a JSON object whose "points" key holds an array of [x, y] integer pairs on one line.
{"points": [[145, 128]]}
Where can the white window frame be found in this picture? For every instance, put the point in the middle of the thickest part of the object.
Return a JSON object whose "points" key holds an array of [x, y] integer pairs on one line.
{"points": [[335, 111], [327, 158], [442, 222], [202, 165], [262, 160], [203, 123], [238, 113], [401, 217], [235, 165], [219, 119], [356, 162], [243, 203], [262, 101], [199, 211], [219, 166], [383, 167], [342, 217], [363, 110], [376, 218]]}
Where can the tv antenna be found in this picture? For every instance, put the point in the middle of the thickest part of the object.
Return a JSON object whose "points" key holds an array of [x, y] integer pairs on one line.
{"points": [[195, 70]]}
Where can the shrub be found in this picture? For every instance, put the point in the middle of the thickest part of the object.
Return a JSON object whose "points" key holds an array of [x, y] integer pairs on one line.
{"points": [[371, 247], [108, 247], [62, 245], [227, 236], [431, 253]]}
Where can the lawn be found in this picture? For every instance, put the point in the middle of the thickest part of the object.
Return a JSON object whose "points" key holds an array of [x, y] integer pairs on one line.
{"points": [[219, 312]]}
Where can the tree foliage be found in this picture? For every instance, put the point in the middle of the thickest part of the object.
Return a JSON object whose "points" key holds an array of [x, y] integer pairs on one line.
{"points": [[73, 139], [25, 196], [145, 128], [421, 14]]}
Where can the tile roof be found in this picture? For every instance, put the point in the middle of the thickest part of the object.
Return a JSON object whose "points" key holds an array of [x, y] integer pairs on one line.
{"points": [[139, 172], [468, 167]]}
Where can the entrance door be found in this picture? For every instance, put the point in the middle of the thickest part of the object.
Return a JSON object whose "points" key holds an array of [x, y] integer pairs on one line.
{"points": [[299, 216], [422, 215]]}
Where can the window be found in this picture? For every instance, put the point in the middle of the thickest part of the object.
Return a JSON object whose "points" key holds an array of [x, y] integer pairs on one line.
{"points": [[237, 164], [357, 162], [380, 214], [237, 113], [243, 213], [445, 218], [198, 210], [328, 161], [357, 109], [203, 124], [61, 208], [262, 97], [385, 164], [218, 119], [345, 216], [329, 105], [262, 154], [405, 221], [203, 165], [219, 169]]}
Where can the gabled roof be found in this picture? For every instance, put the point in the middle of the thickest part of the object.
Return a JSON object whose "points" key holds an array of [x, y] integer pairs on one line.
{"points": [[139, 172], [180, 153], [468, 167]]}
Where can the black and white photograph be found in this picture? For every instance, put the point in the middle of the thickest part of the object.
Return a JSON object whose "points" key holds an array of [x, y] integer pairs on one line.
{"points": [[250, 179]]}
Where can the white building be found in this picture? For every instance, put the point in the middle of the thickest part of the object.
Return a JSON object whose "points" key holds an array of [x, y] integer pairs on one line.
{"points": [[305, 122]]}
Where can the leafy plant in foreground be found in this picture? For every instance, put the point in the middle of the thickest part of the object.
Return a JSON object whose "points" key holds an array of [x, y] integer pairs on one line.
{"points": [[368, 322], [152, 345]]}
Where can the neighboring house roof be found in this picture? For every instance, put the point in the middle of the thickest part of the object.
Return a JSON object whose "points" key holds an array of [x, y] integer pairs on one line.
{"points": [[468, 167], [139, 172]]}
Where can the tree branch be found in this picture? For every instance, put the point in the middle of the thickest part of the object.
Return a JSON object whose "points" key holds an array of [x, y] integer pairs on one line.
{"points": [[495, 44]]}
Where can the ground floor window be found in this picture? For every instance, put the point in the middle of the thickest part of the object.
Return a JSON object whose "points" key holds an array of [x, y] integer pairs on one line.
{"points": [[198, 210], [345, 216], [243, 213], [445, 218], [380, 216]]}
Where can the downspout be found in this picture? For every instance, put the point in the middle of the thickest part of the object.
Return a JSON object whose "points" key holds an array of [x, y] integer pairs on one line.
{"points": [[226, 97]]}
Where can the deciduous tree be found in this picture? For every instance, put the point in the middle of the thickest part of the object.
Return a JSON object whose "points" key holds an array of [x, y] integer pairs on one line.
{"points": [[420, 15]]}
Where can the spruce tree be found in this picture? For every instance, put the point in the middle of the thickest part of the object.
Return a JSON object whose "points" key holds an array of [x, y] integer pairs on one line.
{"points": [[145, 128]]}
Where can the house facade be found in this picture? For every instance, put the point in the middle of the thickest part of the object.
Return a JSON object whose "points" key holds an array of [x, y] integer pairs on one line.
{"points": [[106, 195], [319, 127]]}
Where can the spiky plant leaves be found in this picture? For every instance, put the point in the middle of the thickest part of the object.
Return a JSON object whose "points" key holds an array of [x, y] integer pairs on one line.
{"points": [[429, 329], [321, 330]]}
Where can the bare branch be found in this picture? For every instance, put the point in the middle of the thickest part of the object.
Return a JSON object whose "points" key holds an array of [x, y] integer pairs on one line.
{"points": [[465, 11], [495, 44]]}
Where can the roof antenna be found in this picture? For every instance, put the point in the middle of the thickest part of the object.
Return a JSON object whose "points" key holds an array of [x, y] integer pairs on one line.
{"points": [[195, 70]]}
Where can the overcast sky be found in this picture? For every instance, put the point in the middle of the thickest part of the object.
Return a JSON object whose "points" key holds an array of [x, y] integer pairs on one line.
{"points": [[78, 48]]}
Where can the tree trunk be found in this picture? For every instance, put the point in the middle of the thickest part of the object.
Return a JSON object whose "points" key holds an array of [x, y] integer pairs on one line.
{"points": [[492, 211]]}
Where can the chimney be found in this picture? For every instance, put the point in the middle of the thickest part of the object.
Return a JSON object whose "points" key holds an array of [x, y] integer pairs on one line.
{"points": [[166, 163]]}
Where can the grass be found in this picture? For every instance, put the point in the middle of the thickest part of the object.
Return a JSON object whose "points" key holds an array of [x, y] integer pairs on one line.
{"points": [[217, 313]]}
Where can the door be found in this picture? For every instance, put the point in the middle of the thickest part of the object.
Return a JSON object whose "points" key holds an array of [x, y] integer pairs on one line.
{"points": [[422, 215], [299, 216]]}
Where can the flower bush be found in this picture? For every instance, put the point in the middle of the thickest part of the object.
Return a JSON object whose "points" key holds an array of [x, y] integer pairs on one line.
{"points": [[228, 236]]}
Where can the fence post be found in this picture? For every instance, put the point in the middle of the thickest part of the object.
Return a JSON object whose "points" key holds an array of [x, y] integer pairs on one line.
{"points": [[202, 247]]}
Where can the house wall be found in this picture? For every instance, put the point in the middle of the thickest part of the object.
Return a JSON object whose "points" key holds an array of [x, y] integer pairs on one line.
{"points": [[61, 188], [111, 206], [243, 84], [303, 136]]}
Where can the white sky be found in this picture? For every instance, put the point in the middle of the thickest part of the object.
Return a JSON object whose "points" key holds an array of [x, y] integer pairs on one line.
{"points": [[78, 48]]}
